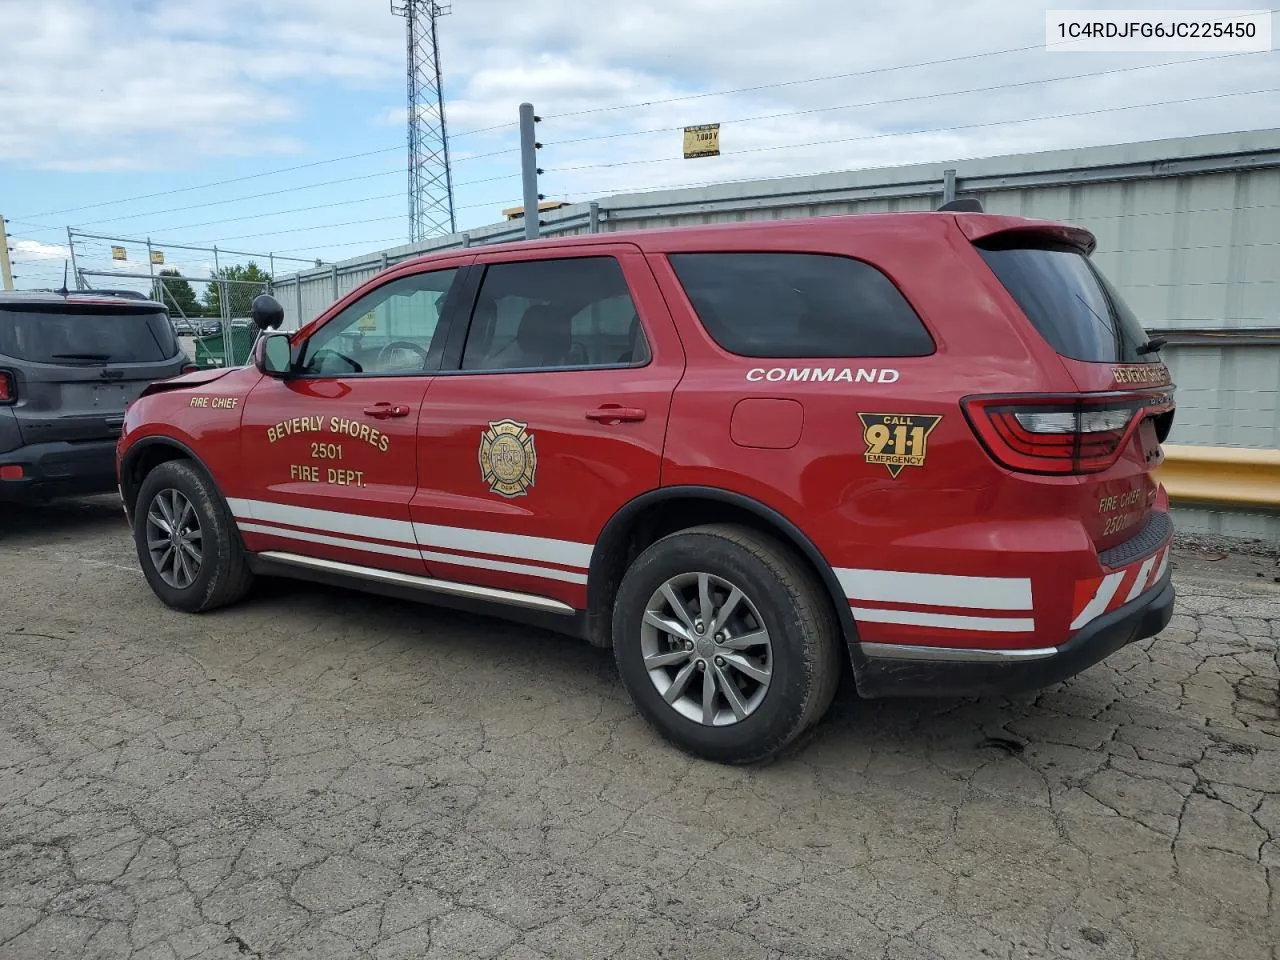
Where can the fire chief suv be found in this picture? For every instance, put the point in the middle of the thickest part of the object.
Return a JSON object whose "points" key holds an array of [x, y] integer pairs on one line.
{"points": [[735, 455]]}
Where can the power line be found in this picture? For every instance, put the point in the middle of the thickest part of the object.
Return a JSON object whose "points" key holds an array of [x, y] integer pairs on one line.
{"points": [[322, 206], [835, 76], [912, 133], [270, 173], [865, 138], [654, 130], [573, 113], [348, 243], [295, 210], [273, 193], [252, 196], [331, 226], [908, 99], [791, 83], [280, 213]]}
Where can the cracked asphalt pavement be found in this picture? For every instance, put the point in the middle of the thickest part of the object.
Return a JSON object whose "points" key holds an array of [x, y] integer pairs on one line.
{"points": [[319, 774]]}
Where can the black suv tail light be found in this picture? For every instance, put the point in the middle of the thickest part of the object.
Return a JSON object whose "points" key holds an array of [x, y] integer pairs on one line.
{"points": [[1069, 434], [8, 388]]}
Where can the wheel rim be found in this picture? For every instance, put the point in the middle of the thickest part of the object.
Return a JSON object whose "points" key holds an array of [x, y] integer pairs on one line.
{"points": [[174, 538], [706, 649]]}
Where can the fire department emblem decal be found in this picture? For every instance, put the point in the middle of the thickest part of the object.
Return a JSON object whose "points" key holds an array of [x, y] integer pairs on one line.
{"points": [[897, 440], [508, 458]]}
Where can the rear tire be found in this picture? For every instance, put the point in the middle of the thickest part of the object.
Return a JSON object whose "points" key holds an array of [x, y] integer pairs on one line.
{"points": [[742, 687], [187, 541]]}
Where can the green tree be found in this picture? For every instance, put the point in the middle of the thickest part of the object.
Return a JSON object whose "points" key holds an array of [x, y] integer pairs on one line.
{"points": [[176, 294], [252, 280]]}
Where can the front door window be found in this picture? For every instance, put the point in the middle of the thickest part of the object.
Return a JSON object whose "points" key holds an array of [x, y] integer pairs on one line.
{"points": [[391, 331]]}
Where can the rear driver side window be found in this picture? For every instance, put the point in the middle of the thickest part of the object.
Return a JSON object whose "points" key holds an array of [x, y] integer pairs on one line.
{"points": [[800, 305], [542, 314]]}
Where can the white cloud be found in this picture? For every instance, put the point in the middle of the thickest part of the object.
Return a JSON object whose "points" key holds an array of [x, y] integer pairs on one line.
{"points": [[576, 57], [137, 85], [144, 84], [35, 250]]}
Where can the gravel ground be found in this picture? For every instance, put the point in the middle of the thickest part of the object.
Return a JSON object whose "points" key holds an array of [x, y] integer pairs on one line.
{"points": [[327, 775]]}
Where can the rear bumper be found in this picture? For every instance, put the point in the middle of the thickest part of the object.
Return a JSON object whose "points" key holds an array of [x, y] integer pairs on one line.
{"points": [[58, 470], [893, 670]]}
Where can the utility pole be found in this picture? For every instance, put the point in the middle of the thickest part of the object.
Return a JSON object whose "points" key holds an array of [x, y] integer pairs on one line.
{"points": [[430, 177], [6, 268], [529, 170]]}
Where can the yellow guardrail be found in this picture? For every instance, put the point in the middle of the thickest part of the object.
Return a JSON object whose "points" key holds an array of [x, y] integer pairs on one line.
{"points": [[1239, 477]]}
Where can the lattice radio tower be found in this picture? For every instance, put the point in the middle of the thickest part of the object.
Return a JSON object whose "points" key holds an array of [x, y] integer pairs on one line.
{"points": [[430, 179]]}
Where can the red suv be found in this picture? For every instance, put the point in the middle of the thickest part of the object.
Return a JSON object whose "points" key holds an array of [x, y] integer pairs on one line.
{"points": [[732, 454]]}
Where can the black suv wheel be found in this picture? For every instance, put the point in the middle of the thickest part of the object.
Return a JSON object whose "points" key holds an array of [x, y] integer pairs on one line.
{"points": [[187, 543], [726, 642]]}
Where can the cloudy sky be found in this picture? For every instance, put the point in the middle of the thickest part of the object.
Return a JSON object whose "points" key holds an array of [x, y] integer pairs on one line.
{"points": [[278, 125]]}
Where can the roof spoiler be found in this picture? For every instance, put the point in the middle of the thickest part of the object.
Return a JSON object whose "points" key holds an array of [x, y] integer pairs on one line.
{"points": [[962, 205]]}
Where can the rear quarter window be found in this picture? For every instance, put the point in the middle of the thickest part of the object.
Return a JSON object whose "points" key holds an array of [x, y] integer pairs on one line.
{"points": [[800, 305], [1070, 303]]}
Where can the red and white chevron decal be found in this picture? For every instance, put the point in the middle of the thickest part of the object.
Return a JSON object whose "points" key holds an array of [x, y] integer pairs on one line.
{"points": [[1099, 595]]}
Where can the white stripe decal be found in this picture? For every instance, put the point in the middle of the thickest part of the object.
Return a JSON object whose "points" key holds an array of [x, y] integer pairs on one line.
{"points": [[330, 521], [1140, 581], [1101, 597], [505, 544], [948, 621], [346, 544], [426, 536], [545, 572], [933, 589], [1164, 562]]}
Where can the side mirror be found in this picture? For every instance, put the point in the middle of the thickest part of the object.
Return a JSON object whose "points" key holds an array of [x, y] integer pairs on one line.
{"points": [[267, 312], [273, 355]]}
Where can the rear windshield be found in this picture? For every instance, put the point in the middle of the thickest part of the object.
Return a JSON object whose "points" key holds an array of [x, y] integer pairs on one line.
{"points": [[800, 305], [1071, 303], [86, 336]]}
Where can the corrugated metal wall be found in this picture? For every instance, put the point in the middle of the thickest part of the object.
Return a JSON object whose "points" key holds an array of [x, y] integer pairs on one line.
{"points": [[1227, 395], [1188, 229]]}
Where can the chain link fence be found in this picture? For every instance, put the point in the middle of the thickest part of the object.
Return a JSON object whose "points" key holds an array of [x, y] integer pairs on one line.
{"points": [[208, 291]]}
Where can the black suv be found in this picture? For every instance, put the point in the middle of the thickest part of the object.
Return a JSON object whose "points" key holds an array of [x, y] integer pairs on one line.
{"points": [[69, 364]]}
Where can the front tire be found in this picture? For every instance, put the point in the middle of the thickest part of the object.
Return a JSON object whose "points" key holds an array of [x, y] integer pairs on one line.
{"points": [[187, 543], [726, 642]]}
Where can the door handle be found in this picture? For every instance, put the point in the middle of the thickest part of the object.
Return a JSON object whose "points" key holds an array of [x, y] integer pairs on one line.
{"points": [[381, 411], [613, 413]]}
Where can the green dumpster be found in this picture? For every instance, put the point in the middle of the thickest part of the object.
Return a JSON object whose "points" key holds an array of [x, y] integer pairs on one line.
{"points": [[211, 350]]}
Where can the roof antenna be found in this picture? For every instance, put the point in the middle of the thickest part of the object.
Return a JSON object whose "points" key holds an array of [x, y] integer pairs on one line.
{"points": [[63, 291]]}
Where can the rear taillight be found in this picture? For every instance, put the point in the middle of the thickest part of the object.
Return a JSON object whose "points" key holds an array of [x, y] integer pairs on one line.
{"points": [[1058, 434], [8, 388]]}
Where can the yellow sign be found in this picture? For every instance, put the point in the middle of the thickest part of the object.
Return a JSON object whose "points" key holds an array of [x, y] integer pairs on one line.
{"points": [[119, 253], [508, 458], [157, 256], [702, 141], [367, 322], [896, 440]]}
